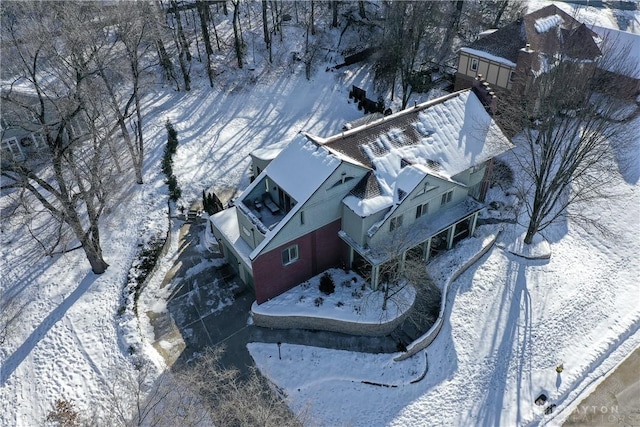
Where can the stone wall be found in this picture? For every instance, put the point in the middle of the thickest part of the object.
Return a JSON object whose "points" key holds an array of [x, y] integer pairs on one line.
{"points": [[331, 325]]}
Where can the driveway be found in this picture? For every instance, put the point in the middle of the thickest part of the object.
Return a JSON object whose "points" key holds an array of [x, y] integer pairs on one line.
{"points": [[211, 307]]}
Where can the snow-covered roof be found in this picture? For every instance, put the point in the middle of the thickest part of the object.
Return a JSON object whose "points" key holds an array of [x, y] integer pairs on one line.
{"points": [[227, 222], [542, 25], [299, 170], [489, 56], [620, 44], [487, 32], [269, 152], [443, 138], [535, 29], [422, 229], [301, 167]]}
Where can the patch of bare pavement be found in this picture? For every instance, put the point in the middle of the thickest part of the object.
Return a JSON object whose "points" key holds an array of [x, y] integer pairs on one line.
{"points": [[615, 402]]}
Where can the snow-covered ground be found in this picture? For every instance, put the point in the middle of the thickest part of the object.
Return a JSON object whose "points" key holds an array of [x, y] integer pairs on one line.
{"points": [[351, 301], [511, 321]]}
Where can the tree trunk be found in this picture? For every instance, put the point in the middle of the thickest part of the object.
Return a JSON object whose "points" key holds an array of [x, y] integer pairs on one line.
{"points": [[202, 13], [313, 28], [502, 6], [183, 40], [163, 56], [334, 10], [236, 30], [93, 252], [361, 10], [265, 28]]}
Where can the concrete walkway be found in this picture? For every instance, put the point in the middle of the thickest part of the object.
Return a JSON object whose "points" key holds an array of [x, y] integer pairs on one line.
{"points": [[615, 402]]}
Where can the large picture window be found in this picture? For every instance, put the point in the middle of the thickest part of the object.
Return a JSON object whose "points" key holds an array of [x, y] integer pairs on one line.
{"points": [[290, 255]]}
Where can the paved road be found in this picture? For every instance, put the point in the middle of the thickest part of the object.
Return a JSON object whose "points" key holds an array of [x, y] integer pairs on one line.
{"points": [[615, 402]]}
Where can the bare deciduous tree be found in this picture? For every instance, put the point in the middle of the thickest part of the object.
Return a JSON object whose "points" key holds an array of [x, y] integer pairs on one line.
{"points": [[412, 35], [53, 93], [237, 36], [201, 394], [570, 120], [402, 266]]}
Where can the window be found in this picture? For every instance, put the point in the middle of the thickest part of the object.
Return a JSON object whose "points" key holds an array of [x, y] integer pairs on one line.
{"points": [[512, 76], [12, 147], [39, 139], [395, 223], [474, 64], [422, 210], [78, 127], [290, 255], [446, 197], [246, 231], [301, 217]]}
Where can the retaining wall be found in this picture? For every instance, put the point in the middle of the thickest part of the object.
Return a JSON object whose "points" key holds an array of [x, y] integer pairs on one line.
{"points": [[426, 339], [331, 325]]}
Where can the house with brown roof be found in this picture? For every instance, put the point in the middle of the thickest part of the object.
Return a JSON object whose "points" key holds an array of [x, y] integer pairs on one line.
{"points": [[510, 57], [327, 202], [619, 68]]}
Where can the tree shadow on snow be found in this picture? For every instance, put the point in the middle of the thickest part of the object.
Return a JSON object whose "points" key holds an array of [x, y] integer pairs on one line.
{"points": [[510, 348], [18, 356]]}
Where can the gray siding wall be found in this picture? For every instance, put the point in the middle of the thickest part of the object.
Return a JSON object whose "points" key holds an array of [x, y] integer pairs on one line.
{"points": [[256, 164], [324, 206], [410, 203], [254, 237], [357, 227], [472, 176]]}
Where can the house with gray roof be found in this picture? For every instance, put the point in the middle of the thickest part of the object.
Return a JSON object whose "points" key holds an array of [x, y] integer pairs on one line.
{"points": [[420, 173]]}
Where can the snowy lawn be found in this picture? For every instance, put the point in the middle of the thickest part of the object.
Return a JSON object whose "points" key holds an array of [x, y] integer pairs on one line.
{"points": [[70, 343], [352, 301], [512, 321]]}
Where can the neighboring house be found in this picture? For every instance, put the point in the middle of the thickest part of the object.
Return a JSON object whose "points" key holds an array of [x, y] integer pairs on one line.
{"points": [[21, 130], [510, 57], [420, 173], [619, 69]]}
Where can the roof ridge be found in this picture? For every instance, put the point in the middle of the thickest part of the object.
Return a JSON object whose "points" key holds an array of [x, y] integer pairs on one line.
{"points": [[391, 117]]}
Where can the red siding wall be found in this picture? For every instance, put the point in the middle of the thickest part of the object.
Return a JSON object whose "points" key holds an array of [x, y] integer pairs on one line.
{"points": [[317, 250]]}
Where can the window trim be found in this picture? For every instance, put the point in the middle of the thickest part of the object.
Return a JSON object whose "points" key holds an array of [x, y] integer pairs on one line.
{"points": [[476, 62], [447, 196], [422, 210], [292, 255], [395, 222]]}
